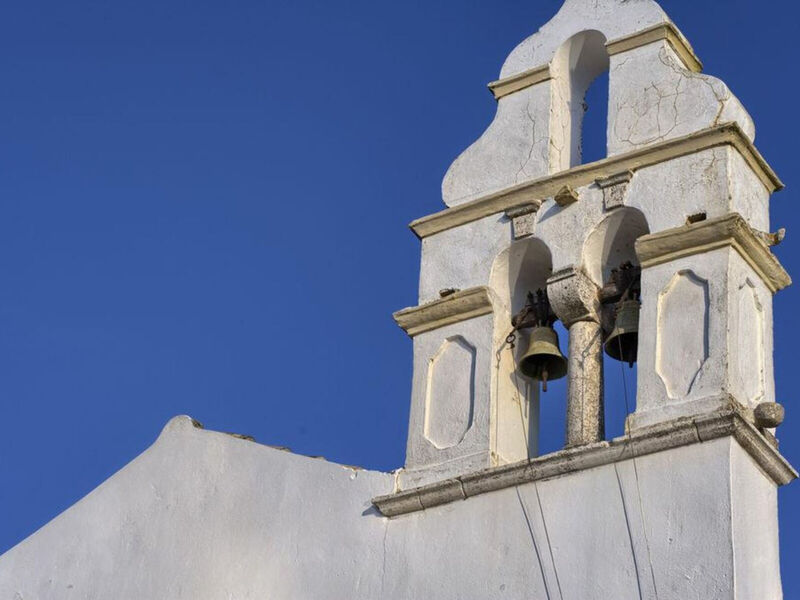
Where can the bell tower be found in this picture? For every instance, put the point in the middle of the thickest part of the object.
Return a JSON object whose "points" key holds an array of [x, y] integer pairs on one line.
{"points": [[658, 254]]}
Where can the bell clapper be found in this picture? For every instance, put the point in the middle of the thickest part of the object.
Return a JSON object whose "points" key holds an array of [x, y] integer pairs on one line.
{"points": [[544, 380]]}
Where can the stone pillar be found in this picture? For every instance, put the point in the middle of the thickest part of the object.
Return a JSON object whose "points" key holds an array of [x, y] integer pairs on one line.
{"points": [[585, 419], [705, 330], [574, 298]]}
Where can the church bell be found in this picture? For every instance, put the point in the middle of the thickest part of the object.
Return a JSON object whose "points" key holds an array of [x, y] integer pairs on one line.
{"points": [[623, 342], [624, 290], [542, 360]]}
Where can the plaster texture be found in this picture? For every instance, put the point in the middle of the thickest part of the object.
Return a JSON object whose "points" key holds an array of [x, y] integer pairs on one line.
{"points": [[206, 515], [454, 425], [654, 97], [613, 18], [705, 336], [203, 515], [515, 147]]}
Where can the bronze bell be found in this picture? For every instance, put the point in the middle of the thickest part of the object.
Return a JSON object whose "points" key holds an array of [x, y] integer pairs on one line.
{"points": [[623, 342], [543, 360]]}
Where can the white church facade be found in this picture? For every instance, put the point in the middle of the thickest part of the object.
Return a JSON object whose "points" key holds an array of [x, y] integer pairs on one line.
{"points": [[659, 253]]}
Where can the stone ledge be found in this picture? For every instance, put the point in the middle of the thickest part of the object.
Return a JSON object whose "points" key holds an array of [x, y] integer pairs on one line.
{"points": [[520, 81], [704, 236], [460, 306], [537, 190], [658, 438], [664, 31]]}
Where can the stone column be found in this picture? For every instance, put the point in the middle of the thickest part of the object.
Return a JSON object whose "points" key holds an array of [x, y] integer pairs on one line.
{"points": [[574, 298]]}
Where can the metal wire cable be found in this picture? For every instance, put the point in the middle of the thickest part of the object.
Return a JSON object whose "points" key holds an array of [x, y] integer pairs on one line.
{"points": [[636, 473]]}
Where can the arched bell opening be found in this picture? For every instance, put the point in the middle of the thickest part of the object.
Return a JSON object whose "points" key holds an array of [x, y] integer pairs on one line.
{"points": [[580, 100], [610, 261], [520, 270]]}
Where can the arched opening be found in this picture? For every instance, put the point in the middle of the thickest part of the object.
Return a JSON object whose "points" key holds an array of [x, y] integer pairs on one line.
{"points": [[580, 100], [594, 134], [522, 427], [611, 246]]}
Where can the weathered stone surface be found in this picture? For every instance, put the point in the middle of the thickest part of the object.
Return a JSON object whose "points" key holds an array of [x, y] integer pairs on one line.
{"points": [[769, 415]]}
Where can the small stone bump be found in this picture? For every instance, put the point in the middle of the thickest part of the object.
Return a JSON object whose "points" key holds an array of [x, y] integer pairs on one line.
{"points": [[769, 415]]}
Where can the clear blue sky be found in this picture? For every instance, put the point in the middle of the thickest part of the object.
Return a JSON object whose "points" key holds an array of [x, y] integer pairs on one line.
{"points": [[204, 209]]}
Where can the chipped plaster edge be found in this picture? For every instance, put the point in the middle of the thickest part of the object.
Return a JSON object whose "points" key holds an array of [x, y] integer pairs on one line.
{"points": [[460, 306], [657, 438], [704, 236], [537, 190]]}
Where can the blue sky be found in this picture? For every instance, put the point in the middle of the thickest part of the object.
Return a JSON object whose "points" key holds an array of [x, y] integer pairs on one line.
{"points": [[203, 210]]}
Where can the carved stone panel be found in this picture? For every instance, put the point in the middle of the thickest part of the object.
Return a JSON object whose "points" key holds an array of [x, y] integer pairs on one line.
{"points": [[749, 344], [682, 335], [450, 397]]}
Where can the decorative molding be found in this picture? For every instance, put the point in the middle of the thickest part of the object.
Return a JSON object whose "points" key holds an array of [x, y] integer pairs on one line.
{"points": [[523, 219], [537, 190], [523, 210], [683, 301], [573, 296], [730, 422], [704, 236], [450, 396], [614, 180], [663, 31], [614, 189], [520, 81], [457, 307]]}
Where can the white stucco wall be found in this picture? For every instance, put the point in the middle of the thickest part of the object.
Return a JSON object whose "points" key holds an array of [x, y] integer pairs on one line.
{"points": [[203, 515]]}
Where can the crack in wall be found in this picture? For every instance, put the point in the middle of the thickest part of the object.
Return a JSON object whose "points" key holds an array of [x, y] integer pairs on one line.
{"points": [[665, 104]]}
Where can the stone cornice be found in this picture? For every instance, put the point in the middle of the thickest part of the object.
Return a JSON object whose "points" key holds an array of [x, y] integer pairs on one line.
{"points": [[536, 191], [520, 81], [704, 236], [663, 31], [457, 307], [658, 438]]}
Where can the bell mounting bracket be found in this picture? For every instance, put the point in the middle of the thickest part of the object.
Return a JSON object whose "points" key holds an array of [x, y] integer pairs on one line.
{"points": [[535, 313]]}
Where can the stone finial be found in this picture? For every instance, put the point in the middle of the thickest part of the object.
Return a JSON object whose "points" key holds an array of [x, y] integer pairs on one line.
{"points": [[566, 196], [769, 415]]}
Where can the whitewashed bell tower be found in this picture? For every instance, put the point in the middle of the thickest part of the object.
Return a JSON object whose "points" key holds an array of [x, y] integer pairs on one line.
{"points": [[681, 201], [658, 253]]}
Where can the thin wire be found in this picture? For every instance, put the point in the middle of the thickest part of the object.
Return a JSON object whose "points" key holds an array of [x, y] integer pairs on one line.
{"points": [[525, 433], [538, 498], [535, 545], [636, 472], [547, 539]]}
